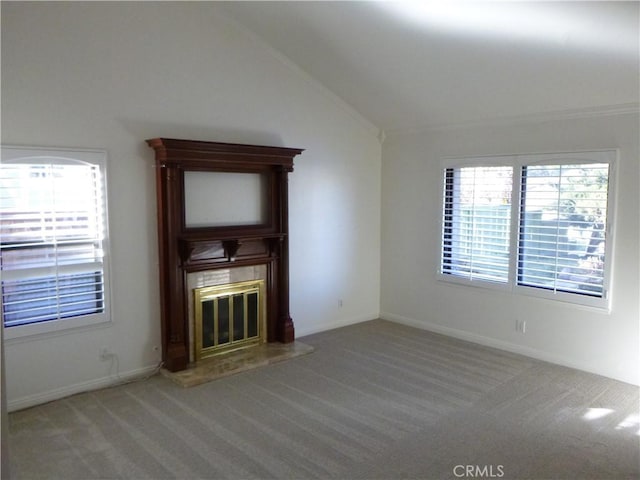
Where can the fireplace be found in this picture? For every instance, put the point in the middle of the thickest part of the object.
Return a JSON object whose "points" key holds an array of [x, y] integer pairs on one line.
{"points": [[228, 317], [222, 222]]}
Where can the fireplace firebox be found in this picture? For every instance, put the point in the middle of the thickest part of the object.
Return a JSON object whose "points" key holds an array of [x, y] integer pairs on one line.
{"points": [[228, 317], [221, 207]]}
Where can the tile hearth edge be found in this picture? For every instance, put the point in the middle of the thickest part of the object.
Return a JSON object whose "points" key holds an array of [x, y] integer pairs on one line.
{"points": [[236, 362]]}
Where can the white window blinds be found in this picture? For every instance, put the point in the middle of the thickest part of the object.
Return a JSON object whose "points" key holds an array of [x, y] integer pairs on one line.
{"points": [[52, 230], [552, 241], [476, 226], [562, 227]]}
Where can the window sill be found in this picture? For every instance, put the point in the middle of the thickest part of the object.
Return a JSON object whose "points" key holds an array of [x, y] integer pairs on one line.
{"points": [[23, 333], [485, 284], [593, 304]]}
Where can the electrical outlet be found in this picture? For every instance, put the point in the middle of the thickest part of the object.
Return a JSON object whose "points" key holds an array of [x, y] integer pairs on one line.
{"points": [[105, 354], [521, 326]]}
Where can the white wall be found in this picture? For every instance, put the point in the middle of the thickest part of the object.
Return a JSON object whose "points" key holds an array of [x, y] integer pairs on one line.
{"points": [[606, 344], [4, 419], [110, 75]]}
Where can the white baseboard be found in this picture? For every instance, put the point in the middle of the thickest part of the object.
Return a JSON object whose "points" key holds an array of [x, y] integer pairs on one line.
{"points": [[302, 332], [57, 394], [499, 344]]}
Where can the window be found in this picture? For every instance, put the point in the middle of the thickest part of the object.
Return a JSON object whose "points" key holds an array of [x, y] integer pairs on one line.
{"points": [[551, 241], [53, 237], [562, 227], [477, 218]]}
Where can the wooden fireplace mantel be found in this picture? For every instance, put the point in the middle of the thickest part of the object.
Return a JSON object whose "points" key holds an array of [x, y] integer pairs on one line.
{"points": [[185, 249]]}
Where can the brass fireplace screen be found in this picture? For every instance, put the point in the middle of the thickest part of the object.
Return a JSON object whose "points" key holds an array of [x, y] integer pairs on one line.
{"points": [[228, 317]]}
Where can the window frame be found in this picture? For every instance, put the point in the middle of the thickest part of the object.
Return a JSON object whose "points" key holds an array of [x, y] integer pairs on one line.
{"points": [[95, 157], [608, 156], [469, 280]]}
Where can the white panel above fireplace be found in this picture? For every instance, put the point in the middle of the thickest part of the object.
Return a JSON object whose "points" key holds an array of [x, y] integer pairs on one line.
{"points": [[214, 199]]}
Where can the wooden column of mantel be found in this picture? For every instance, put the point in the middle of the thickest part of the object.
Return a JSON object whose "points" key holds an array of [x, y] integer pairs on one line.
{"points": [[183, 250]]}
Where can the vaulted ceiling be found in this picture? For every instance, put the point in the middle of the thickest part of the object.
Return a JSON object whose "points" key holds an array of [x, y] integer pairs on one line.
{"points": [[412, 65]]}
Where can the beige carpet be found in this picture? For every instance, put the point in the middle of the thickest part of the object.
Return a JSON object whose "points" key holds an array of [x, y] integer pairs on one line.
{"points": [[375, 400]]}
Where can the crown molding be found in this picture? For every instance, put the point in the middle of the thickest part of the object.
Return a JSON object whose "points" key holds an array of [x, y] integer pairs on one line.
{"points": [[569, 114]]}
